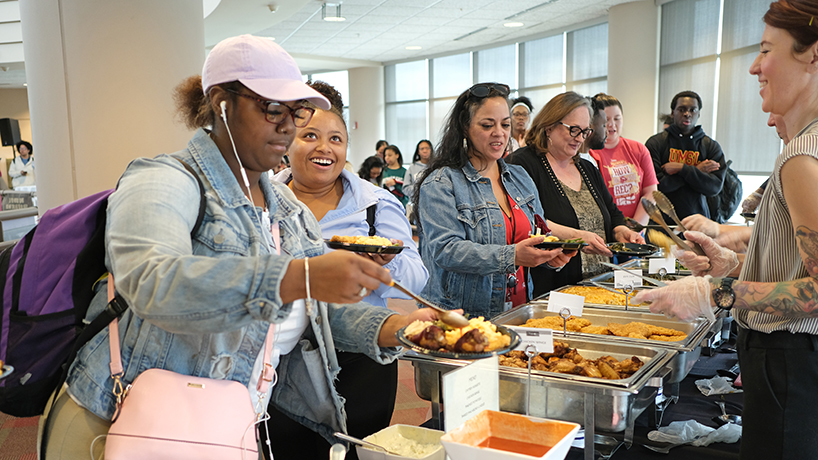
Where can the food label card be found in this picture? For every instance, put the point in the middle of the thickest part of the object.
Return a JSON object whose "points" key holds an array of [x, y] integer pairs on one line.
{"points": [[624, 278], [656, 263], [542, 339], [471, 390], [559, 300]]}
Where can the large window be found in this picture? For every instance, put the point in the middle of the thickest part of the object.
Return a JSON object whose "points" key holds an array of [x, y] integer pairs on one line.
{"points": [[419, 94], [707, 46]]}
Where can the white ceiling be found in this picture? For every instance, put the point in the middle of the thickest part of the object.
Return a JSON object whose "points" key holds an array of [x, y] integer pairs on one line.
{"points": [[378, 31], [375, 31]]}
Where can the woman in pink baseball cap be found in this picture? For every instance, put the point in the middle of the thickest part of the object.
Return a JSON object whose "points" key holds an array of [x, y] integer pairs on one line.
{"points": [[204, 285]]}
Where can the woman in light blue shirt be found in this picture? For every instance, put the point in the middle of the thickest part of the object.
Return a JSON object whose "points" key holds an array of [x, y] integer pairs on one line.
{"points": [[340, 201]]}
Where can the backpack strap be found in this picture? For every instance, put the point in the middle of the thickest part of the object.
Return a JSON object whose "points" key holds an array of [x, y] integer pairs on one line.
{"points": [[202, 199], [370, 218]]}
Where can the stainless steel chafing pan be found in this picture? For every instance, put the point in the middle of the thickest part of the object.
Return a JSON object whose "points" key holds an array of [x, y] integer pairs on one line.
{"points": [[687, 350], [616, 403]]}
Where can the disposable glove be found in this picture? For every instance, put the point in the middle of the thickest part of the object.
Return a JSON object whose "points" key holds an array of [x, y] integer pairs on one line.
{"points": [[685, 299], [718, 261], [699, 223], [751, 203]]}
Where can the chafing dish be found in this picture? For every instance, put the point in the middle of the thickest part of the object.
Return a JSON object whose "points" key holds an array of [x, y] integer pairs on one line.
{"points": [[613, 404], [687, 350]]}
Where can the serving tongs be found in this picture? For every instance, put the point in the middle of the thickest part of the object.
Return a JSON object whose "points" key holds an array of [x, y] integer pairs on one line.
{"points": [[656, 215], [449, 317], [664, 205]]}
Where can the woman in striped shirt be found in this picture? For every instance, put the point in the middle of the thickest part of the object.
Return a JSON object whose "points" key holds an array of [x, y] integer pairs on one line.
{"points": [[776, 296]]}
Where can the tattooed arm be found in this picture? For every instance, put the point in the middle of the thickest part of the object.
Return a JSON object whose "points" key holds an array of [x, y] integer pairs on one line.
{"points": [[796, 298]]}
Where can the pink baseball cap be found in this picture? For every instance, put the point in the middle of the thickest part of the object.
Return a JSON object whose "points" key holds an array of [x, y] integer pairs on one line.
{"points": [[261, 65]]}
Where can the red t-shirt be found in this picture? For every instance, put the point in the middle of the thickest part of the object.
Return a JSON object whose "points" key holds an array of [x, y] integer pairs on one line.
{"points": [[517, 229], [627, 169]]}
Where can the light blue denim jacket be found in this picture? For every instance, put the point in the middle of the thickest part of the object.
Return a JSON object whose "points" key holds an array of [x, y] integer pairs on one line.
{"points": [[202, 307], [349, 219], [464, 233]]}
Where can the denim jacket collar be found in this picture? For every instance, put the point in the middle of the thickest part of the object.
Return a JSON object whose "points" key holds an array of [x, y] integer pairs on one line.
{"points": [[473, 175], [210, 161]]}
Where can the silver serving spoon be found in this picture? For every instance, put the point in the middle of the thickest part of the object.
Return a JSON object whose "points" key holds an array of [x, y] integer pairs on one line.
{"points": [[449, 317], [361, 442]]}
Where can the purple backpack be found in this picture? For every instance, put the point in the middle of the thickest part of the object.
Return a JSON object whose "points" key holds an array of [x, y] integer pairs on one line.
{"points": [[47, 281]]}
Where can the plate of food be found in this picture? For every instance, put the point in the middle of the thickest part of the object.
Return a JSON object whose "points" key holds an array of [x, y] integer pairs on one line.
{"points": [[633, 249], [480, 339], [552, 242], [368, 244], [5, 370]]}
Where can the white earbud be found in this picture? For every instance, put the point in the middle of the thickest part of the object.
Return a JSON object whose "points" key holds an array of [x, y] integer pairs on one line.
{"points": [[223, 106]]}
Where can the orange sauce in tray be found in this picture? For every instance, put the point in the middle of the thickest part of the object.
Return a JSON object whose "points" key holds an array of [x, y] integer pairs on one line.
{"points": [[517, 447]]}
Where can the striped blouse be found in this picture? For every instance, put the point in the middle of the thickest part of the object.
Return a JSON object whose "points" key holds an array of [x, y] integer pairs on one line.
{"points": [[772, 255]]}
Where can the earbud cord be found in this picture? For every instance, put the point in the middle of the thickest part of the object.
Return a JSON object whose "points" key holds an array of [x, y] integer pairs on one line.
{"points": [[243, 172]]}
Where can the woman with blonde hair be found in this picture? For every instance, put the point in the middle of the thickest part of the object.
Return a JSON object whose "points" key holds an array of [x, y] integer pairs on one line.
{"points": [[573, 188]]}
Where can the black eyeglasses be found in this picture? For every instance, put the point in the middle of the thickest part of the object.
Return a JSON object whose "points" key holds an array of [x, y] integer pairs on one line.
{"points": [[484, 89], [276, 112], [575, 131]]}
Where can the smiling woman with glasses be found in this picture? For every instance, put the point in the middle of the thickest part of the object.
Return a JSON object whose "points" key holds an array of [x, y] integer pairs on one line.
{"points": [[578, 199]]}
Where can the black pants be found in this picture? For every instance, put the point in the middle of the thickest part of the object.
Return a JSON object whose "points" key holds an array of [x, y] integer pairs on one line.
{"points": [[779, 374], [369, 389]]}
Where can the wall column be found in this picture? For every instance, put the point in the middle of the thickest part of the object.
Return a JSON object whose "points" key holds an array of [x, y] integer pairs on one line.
{"points": [[100, 80], [633, 65], [367, 113]]}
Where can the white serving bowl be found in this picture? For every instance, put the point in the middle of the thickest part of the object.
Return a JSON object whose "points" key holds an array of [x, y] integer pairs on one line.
{"points": [[554, 435], [402, 435]]}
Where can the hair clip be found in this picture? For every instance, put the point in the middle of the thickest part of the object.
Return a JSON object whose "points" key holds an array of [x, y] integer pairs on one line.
{"points": [[811, 18]]}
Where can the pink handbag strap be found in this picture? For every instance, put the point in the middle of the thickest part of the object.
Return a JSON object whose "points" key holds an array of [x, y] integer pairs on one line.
{"points": [[267, 370]]}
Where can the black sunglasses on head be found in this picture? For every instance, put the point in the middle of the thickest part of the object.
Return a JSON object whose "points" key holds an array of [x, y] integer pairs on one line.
{"points": [[484, 89]]}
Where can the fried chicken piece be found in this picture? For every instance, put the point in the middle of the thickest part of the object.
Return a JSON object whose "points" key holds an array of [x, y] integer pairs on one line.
{"points": [[607, 371], [565, 366], [431, 338], [633, 329], [610, 360], [576, 324], [512, 361], [516, 354], [574, 356], [667, 338], [589, 369], [473, 341], [658, 330], [601, 330], [629, 366], [548, 322]]}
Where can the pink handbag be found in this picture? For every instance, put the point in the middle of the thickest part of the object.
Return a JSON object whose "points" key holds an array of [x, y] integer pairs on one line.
{"points": [[165, 415]]}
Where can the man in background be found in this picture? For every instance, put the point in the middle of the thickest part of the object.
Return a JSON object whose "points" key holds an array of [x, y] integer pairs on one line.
{"points": [[689, 165]]}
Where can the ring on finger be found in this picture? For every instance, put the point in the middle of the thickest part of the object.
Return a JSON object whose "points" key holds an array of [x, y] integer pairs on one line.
{"points": [[362, 293]]}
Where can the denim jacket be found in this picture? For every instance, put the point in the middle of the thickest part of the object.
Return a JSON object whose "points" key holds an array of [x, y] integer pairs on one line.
{"points": [[349, 218], [464, 233], [202, 307]]}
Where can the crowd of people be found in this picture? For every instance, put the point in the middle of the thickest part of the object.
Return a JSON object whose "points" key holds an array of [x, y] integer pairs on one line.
{"points": [[272, 153]]}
